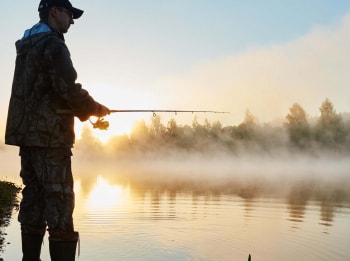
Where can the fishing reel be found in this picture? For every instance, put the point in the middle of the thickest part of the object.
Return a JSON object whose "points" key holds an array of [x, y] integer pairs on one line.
{"points": [[100, 124]]}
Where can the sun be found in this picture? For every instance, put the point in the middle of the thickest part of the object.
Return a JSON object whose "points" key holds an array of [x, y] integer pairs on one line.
{"points": [[116, 128], [107, 196], [117, 97]]}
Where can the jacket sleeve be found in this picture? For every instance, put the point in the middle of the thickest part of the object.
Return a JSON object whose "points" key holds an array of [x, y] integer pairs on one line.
{"points": [[63, 79]]}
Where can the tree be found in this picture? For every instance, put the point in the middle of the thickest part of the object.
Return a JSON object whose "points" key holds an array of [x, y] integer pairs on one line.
{"points": [[247, 129], [200, 131], [298, 126], [328, 113], [157, 129], [330, 129], [216, 129], [172, 127], [249, 119]]}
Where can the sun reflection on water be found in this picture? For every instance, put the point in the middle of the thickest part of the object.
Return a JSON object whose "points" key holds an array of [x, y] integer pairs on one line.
{"points": [[107, 196]]}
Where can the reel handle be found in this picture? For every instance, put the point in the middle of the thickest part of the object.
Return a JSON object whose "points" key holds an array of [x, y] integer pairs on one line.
{"points": [[100, 124]]}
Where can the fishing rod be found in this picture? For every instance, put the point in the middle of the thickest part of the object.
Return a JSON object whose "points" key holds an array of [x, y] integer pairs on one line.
{"points": [[174, 111], [103, 125]]}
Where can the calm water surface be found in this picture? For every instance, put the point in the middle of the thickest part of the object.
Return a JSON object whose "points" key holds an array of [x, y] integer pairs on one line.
{"points": [[123, 221]]}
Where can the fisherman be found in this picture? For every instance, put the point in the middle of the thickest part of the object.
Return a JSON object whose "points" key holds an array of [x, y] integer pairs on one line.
{"points": [[45, 82]]}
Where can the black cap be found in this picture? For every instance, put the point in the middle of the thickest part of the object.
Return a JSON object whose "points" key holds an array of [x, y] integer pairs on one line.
{"points": [[44, 4]]}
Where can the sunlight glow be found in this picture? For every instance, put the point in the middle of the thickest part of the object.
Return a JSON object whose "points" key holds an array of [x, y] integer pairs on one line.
{"points": [[119, 124], [107, 196], [117, 97]]}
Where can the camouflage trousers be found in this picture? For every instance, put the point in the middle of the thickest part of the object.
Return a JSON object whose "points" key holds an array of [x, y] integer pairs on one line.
{"points": [[48, 196]]}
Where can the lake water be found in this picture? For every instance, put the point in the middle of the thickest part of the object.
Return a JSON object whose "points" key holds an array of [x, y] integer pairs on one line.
{"points": [[154, 216]]}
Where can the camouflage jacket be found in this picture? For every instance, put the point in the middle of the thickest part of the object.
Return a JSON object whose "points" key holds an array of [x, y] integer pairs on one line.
{"points": [[44, 82]]}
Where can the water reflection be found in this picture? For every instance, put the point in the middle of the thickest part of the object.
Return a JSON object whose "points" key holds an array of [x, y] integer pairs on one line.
{"points": [[160, 220], [181, 219], [327, 214], [154, 208], [248, 208], [160, 199], [297, 201], [105, 196]]}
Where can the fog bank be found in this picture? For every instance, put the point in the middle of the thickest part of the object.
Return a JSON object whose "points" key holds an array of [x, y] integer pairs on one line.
{"points": [[286, 175]]}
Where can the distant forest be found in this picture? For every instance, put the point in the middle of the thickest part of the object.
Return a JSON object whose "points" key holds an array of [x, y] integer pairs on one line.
{"points": [[330, 132]]}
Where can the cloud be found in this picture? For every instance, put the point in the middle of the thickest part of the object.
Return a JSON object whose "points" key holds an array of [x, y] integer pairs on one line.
{"points": [[269, 79]]}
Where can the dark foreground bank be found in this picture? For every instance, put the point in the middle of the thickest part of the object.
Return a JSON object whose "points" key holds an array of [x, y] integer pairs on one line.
{"points": [[8, 201]]}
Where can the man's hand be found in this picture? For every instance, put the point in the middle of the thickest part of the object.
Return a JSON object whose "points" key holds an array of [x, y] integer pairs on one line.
{"points": [[101, 110]]}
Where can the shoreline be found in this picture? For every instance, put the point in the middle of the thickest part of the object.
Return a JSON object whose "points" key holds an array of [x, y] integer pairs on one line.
{"points": [[8, 201]]}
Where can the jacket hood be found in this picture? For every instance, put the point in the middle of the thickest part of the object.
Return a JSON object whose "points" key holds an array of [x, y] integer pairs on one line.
{"points": [[37, 28], [32, 36]]}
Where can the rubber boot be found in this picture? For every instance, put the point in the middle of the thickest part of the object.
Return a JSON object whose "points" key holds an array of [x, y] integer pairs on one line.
{"points": [[31, 246], [63, 249]]}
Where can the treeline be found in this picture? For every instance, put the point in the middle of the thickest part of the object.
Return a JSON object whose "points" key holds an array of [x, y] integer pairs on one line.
{"points": [[298, 133]]}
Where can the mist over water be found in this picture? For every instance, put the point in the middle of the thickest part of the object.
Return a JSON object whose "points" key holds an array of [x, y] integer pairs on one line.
{"points": [[324, 177]]}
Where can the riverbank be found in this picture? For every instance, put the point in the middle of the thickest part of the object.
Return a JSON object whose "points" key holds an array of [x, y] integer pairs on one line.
{"points": [[8, 201]]}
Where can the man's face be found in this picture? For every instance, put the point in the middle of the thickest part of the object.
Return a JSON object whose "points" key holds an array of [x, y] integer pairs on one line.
{"points": [[64, 19]]}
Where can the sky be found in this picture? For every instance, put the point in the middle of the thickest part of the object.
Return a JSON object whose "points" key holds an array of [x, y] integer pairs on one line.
{"points": [[225, 55]]}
